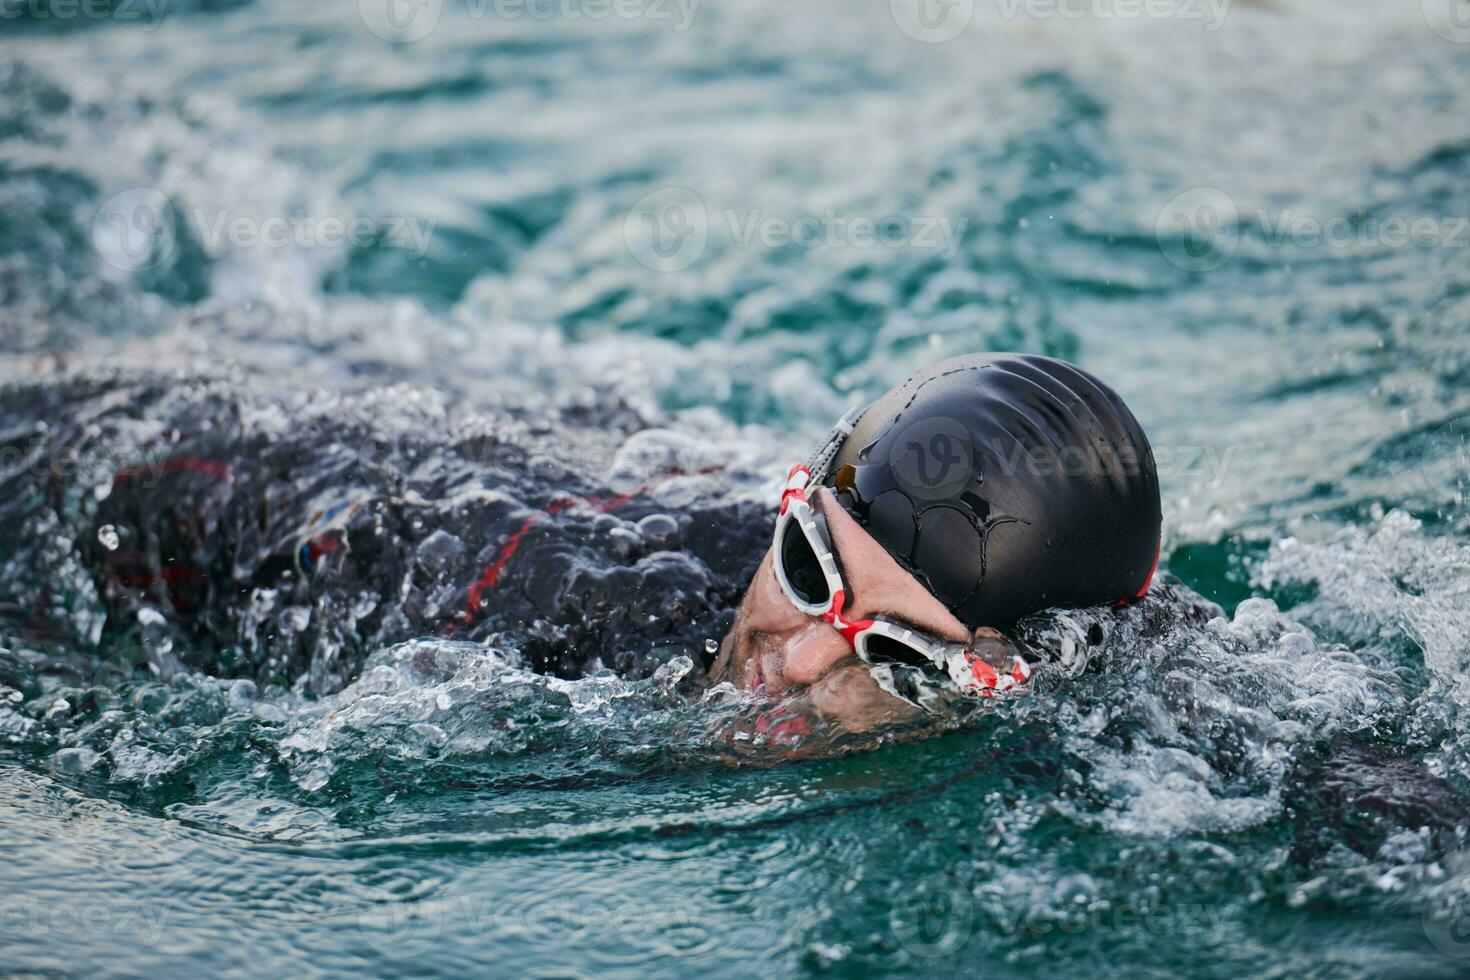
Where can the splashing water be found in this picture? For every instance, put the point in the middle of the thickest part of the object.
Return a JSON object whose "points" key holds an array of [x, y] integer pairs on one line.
{"points": [[357, 730]]}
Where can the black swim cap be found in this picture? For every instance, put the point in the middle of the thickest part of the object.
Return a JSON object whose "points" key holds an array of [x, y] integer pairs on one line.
{"points": [[1006, 484]]}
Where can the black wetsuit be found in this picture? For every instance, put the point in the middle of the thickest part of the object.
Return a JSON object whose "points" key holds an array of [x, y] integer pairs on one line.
{"points": [[233, 534]]}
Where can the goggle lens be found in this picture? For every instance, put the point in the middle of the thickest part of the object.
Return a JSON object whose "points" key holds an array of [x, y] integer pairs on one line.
{"points": [[879, 648], [801, 567]]}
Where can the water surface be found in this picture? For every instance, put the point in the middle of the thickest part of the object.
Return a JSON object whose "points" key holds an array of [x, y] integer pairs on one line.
{"points": [[1273, 784]]}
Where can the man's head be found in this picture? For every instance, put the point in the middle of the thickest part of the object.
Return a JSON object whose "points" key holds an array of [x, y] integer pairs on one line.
{"points": [[975, 493]]}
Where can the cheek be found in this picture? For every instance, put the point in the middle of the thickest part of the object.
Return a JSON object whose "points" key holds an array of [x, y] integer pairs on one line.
{"points": [[763, 610], [765, 607]]}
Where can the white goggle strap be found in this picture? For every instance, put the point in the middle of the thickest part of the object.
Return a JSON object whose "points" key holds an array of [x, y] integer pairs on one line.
{"points": [[821, 460]]}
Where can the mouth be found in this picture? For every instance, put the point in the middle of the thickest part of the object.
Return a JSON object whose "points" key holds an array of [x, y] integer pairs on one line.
{"points": [[757, 674]]}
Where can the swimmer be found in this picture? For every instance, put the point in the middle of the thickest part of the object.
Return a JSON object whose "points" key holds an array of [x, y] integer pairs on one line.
{"points": [[977, 492]]}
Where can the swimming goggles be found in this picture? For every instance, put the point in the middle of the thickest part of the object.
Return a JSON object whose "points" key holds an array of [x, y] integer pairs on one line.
{"points": [[806, 569]]}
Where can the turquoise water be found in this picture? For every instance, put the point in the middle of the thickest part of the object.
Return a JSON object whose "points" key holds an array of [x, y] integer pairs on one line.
{"points": [[1249, 218]]}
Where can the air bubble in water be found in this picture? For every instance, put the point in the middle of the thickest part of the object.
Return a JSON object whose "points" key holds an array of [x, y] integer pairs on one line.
{"points": [[432, 734], [625, 543], [711, 646], [107, 535], [241, 694], [268, 712], [74, 761], [659, 530]]}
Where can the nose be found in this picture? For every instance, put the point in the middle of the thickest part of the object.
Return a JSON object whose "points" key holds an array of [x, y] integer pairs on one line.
{"points": [[810, 651]]}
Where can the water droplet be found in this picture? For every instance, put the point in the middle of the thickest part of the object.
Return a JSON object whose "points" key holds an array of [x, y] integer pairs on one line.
{"points": [[269, 712], [74, 761], [625, 543], [241, 694], [659, 530]]}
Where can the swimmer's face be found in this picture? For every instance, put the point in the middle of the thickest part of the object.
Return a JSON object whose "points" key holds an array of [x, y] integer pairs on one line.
{"points": [[776, 648]]}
